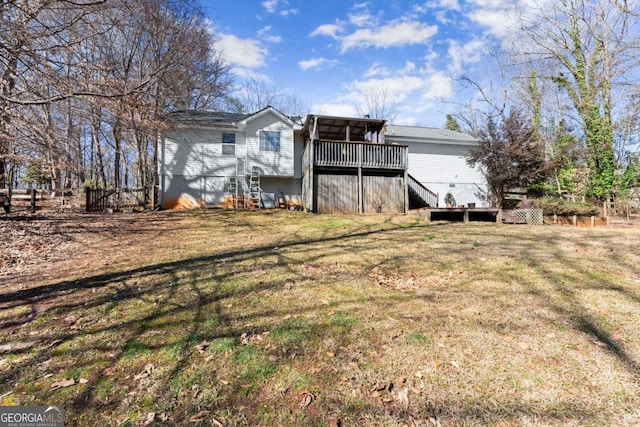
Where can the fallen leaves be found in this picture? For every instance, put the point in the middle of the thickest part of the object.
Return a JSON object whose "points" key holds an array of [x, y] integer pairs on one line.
{"points": [[393, 280], [199, 417], [402, 397], [255, 339], [307, 398], [202, 346], [399, 391], [68, 383], [148, 370], [152, 417]]}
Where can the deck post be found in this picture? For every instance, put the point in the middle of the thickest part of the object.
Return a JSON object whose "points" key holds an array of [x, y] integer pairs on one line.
{"points": [[406, 181], [312, 177], [360, 189]]}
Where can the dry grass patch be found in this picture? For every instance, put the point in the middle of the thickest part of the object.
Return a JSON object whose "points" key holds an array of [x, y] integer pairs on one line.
{"points": [[283, 318]]}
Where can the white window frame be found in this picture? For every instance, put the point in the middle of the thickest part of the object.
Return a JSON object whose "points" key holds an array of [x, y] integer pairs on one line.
{"points": [[228, 143], [267, 144]]}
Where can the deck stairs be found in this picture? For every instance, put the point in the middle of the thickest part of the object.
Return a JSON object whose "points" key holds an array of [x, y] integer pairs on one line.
{"points": [[420, 196]]}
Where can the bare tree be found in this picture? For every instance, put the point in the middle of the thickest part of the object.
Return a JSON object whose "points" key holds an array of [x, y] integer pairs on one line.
{"points": [[378, 103], [258, 92], [34, 32], [85, 83], [589, 50]]}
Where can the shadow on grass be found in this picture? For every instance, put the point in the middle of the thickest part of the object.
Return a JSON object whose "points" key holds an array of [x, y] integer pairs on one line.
{"points": [[180, 297], [169, 295]]}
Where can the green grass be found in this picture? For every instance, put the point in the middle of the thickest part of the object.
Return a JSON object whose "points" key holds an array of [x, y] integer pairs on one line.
{"points": [[243, 315]]}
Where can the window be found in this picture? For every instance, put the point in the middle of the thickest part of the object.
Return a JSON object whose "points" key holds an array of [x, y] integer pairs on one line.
{"points": [[269, 140], [229, 144]]}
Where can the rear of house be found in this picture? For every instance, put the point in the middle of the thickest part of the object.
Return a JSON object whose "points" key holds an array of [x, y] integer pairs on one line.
{"points": [[213, 158], [437, 160], [325, 164]]}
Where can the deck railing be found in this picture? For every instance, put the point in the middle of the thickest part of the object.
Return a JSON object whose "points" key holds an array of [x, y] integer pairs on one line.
{"points": [[359, 154], [429, 198]]}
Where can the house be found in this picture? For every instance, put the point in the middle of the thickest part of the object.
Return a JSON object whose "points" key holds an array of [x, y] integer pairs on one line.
{"points": [[207, 159], [437, 160], [325, 164], [348, 168]]}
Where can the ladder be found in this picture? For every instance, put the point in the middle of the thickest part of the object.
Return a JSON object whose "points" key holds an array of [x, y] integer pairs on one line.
{"points": [[236, 188], [254, 188]]}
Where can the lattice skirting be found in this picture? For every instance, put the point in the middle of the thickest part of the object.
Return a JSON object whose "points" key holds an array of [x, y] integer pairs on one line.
{"points": [[529, 216]]}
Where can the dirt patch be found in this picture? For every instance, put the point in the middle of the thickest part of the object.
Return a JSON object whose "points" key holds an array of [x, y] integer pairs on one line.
{"points": [[53, 244]]}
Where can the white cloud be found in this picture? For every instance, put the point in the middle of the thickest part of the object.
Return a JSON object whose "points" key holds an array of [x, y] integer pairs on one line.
{"points": [[281, 7], [245, 53], [377, 69], [445, 4], [270, 5], [450, 4], [397, 88], [362, 5], [363, 19], [287, 12], [438, 85], [316, 63], [501, 16], [397, 33], [469, 53], [335, 109], [330, 30], [409, 67], [497, 21], [264, 34]]}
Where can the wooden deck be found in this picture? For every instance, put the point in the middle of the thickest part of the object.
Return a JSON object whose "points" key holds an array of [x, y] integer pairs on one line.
{"points": [[466, 214], [347, 154], [354, 177]]}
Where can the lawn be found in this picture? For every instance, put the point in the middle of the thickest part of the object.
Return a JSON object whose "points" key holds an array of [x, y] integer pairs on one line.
{"points": [[225, 318]]}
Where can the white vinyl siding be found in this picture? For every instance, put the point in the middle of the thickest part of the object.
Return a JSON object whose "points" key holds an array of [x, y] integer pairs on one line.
{"points": [[270, 163], [198, 152], [443, 168], [196, 163], [193, 166]]}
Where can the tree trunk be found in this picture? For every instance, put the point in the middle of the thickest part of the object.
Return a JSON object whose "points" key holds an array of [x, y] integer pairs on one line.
{"points": [[117, 142]]}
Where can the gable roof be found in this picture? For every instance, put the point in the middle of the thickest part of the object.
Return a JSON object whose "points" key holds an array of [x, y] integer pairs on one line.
{"points": [[219, 118], [397, 133], [205, 118], [269, 109]]}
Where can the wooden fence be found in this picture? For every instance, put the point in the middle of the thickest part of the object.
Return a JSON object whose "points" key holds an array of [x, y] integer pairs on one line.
{"points": [[12, 199], [99, 199]]}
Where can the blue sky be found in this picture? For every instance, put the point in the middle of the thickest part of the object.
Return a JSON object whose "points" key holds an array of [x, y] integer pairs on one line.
{"points": [[330, 53]]}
